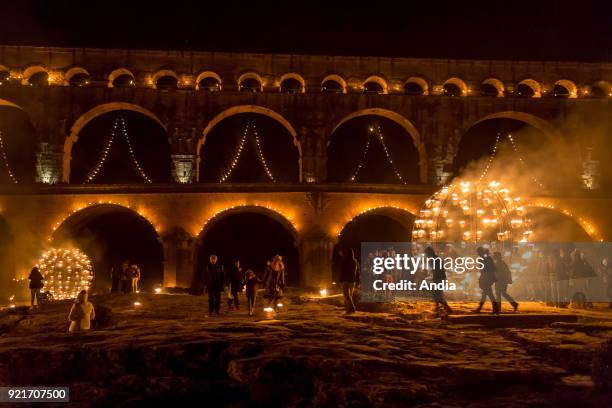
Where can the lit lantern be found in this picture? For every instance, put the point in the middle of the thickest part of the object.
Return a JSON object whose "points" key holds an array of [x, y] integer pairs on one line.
{"points": [[66, 272]]}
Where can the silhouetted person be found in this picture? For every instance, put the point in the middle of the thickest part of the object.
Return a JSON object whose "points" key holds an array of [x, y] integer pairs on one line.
{"points": [[503, 278], [274, 281], [214, 279], [439, 276], [126, 278], [605, 270], [115, 279], [349, 279], [561, 267], [250, 284], [486, 280], [134, 277], [81, 313], [36, 284], [235, 278]]}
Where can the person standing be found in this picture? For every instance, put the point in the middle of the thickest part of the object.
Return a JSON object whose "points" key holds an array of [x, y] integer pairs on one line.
{"points": [[234, 281], [115, 279], [486, 280], [36, 284], [214, 279], [349, 279], [503, 278], [250, 283], [135, 277], [605, 270], [561, 268], [439, 276], [275, 281], [81, 313], [125, 276]]}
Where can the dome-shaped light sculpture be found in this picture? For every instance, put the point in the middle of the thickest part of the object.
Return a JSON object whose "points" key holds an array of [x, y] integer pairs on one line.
{"points": [[473, 212], [66, 272]]}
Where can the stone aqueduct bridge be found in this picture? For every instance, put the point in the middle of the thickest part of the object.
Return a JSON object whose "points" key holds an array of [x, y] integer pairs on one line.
{"points": [[313, 210]]}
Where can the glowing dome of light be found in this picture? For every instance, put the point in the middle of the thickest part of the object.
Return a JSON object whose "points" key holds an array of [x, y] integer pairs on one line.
{"points": [[468, 211], [66, 272]]}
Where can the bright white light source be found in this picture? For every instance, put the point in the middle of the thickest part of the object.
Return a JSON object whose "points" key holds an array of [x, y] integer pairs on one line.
{"points": [[137, 304], [279, 305], [268, 309], [157, 290], [323, 292]]}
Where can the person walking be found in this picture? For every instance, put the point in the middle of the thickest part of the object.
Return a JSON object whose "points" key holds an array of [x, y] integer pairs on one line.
{"points": [[250, 283], [486, 280], [234, 280], [125, 276], [274, 281], [36, 284], [561, 268], [349, 279], [115, 279], [503, 278], [135, 277], [81, 313], [439, 276], [214, 279]]}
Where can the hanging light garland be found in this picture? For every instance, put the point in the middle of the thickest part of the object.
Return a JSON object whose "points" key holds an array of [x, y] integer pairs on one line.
{"points": [[132, 154], [66, 272], [94, 173], [5, 159], [259, 151], [376, 131]]}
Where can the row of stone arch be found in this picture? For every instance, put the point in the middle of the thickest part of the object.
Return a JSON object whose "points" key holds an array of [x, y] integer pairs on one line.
{"points": [[293, 82]]}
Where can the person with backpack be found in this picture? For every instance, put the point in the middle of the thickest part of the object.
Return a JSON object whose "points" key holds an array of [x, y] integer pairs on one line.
{"points": [[36, 284]]}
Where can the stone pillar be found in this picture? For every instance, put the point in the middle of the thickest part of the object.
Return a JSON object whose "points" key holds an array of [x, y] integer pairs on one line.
{"points": [[316, 252], [183, 168], [48, 164], [178, 259], [183, 141]]}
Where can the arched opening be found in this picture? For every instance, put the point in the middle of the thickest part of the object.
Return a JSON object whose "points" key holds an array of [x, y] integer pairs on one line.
{"points": [[120, 147], [492, 87], [552, 226], [121, 78], [528, 88], [110, 234], [5, 75], [208, 81], [416, 86], [373, 148], [374, 85], [249, 146], [292, 83], [379, 225], [40, 78], [250, 82], [454, 87], [509, 147], [166, 83], [333, 84], [237, 235], [601, 89], [7, 261], [77, 76], [565, 89], [18, 145]]}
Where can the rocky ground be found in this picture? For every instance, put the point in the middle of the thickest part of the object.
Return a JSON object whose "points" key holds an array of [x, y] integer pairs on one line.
{"points": [[168, 351]]}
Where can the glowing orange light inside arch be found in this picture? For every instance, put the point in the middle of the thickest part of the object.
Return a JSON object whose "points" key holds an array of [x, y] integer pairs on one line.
{"points": [[364, 209], [587, 225]]}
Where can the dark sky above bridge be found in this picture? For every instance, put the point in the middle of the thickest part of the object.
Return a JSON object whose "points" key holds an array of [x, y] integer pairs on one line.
{"points": [[496, 29]]}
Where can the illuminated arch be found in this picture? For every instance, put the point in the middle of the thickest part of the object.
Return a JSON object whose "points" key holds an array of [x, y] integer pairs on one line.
{"points": [[207, 74], [72, 72], [87, 117], [118, 72], [401, 215], [163, 73], [250, 208], [580, 221], [542, 125], [292, 75], [251, 75], [570, 86], [376, 79], [458, 82], [403, 122], [605, 86], [249, 109], [4, 102], [28, 72], [497, 84], [335, 78], [419, 81], [535, 86]]}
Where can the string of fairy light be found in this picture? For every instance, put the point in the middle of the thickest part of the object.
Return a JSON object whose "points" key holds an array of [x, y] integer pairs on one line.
{"points": [[248, 128], [5, 159], [119, 122], [376, 131]]}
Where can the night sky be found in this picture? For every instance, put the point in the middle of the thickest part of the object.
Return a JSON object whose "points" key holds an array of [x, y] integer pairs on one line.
{"points": [[539, 30]]}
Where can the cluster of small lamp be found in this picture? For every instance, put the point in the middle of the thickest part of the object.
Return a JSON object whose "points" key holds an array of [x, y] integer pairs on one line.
{"points": [[472, 212], [118, 121], [5, 159], [376, 131], [66, 272], [260, 155]]}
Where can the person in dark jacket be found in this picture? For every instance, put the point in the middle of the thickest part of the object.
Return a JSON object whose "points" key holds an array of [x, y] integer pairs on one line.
{"points": [[274, 281], [439, 275], [214, 279], [349, 279], [250, 283], [125, 276], [115, 279], [235, 278], [36, 284], [503, 278], [486, 280]]}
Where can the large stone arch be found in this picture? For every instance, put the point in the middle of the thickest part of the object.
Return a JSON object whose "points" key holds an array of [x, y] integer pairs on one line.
{"points": [[87, 117], [400, 120], [6, 103], [403, 216], [249, 109], [578, 219], [541, 124]]}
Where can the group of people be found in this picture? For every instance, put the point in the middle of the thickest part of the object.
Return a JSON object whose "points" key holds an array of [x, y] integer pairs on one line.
{"points": [[126, 278], [216, 281]]}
